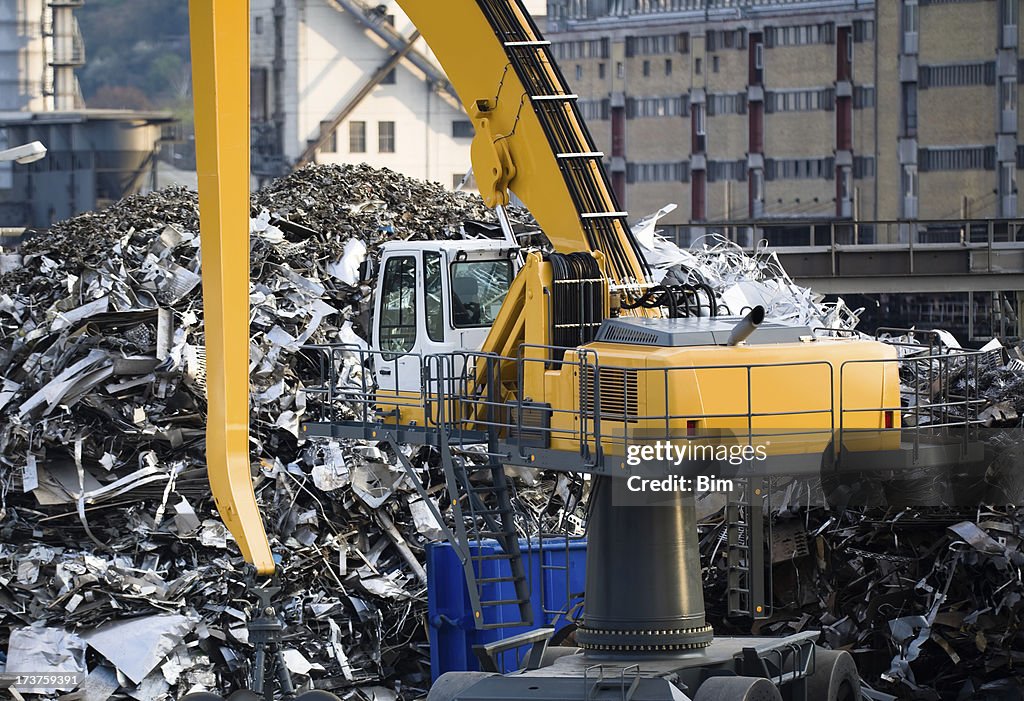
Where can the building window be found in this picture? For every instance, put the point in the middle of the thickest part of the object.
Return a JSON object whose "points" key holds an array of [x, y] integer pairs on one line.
{"points": [[579, 72], [863, 167], [258, 105], [719, 171], [641, 107], [801, 35], [463, 181], [357, 137], [714, 64], [957, 74], [657, 172], [757, 185], [587, 48], [759, 56], [647, 69], [699, 144], [845, 190], [620, 70], [1010, 12], [800, 168], [386, 137], [909, 181], [800, 100], [957, 158], [863, 96], [654, 44], [594, 109], [462, 129], [727, 103], [910, 26], [1008, 185], [909, 111], [600, 71], [863, 30], [257, 25], [668, 66], [698, 66], [910, 191], [330, 144], [1008, 94]]}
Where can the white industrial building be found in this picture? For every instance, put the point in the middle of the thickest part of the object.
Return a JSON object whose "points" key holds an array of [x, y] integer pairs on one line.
{"points": [[94, 157], [40, 47], [312, 61]]}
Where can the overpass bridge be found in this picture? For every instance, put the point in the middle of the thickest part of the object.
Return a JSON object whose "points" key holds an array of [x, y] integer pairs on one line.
{"points": [[879, 257]]}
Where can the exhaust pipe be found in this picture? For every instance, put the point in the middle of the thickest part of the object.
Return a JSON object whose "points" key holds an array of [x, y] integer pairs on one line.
{"points": [[747, 326]]}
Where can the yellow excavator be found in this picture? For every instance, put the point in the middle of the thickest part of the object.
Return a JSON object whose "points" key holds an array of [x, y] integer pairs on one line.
{"points": [[569, 359]]}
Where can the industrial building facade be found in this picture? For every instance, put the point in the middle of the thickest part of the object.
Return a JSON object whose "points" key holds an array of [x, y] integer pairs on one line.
{"points": [[313, 62], [800, 109]]}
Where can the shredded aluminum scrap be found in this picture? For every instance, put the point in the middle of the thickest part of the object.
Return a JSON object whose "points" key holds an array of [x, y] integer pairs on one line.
{"points": [[107, 531]]}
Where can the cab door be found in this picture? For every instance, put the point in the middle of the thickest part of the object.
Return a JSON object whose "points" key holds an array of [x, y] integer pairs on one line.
{"points": [[395, 328]]}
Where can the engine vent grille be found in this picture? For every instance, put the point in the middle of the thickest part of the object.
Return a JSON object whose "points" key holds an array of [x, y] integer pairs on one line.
{"points": [[625, 334], [617, 390]]}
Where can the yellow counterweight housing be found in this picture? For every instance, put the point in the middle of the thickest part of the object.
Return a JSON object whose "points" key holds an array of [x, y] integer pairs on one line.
{"points": [[801, 398]]}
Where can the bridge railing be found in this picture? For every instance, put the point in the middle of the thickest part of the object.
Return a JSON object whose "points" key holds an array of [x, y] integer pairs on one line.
{"points": [[834, 232]]}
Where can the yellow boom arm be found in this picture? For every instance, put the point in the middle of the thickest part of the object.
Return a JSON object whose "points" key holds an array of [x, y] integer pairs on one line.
{"points": [[220, 83]]}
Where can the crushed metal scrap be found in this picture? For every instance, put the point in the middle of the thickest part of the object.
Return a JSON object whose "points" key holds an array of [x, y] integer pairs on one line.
{"points": [[107, 531]]}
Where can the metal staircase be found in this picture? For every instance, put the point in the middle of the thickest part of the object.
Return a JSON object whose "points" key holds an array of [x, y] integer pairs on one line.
{"points": [[499, 587]]}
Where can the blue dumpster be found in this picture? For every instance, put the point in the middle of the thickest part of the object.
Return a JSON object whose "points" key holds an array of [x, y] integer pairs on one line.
{"points": [[555, 570]]}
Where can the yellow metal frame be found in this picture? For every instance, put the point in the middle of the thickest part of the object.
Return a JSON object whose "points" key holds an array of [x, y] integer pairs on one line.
{"points": [[220, 83]]}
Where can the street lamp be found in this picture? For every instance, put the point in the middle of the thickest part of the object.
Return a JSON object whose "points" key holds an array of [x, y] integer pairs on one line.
{"points": [[26, 153]]}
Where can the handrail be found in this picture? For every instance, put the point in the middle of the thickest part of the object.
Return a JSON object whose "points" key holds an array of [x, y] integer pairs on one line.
{"points": [[831, 234]]}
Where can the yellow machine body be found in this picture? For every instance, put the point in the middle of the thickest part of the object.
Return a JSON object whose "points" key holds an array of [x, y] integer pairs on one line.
{"points": [[790, 398]]}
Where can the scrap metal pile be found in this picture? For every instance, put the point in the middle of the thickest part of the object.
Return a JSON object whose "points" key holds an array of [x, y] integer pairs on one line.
{"points": [[108, 533], [107, 530]]}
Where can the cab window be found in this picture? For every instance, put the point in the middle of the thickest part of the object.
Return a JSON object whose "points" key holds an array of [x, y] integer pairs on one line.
{"points": [[478, 290], [432, 291], [398, 306]]}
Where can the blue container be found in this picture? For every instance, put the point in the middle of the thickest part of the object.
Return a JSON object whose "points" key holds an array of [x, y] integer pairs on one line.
{"points": [[555, 571]]}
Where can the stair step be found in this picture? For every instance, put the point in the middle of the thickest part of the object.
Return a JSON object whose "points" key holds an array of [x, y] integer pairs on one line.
{"points": [[504, 602], [527, 43], [495, 580]]}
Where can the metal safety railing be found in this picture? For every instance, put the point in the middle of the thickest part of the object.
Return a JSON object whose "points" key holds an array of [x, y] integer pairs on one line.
{"points": [[472, 398]]}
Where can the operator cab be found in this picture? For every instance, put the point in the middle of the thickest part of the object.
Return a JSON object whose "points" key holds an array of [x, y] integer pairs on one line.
{"points": [[435, 297]]}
